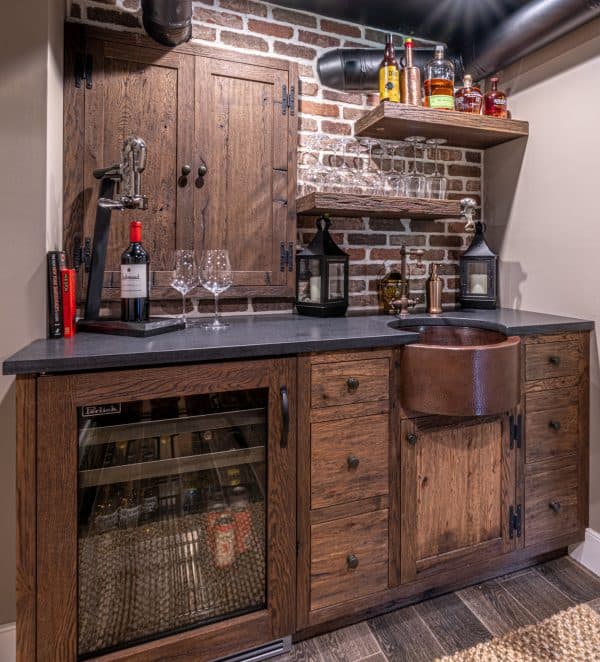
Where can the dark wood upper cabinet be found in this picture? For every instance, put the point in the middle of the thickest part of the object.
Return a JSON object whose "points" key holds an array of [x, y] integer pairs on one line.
{"points": [[199, 110]]}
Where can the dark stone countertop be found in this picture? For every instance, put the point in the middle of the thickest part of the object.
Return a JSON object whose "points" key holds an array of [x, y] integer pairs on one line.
{"points": [[262, 335]]}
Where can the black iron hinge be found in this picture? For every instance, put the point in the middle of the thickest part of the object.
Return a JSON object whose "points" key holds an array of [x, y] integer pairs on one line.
{"points": [[514, 521], [286, 256], [82, 254], [516, 431], [83, 70], [288, 100]]}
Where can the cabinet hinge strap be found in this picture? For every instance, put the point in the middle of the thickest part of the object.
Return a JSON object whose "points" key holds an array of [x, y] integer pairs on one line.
{"points": [[288, 100], [516, 431], [514, 521], [83, 70], [286, 256]]}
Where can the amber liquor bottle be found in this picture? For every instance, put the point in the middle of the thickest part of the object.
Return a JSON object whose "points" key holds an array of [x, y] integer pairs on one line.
{"points": [[495, 101], [439, 81], [469, 98], [389, 73]]}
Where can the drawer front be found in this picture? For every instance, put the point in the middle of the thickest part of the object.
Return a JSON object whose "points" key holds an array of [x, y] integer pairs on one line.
{"points": [[551, 504], [551, 433], [349, 460], [349, 558], [553, 359], [350, 381]]}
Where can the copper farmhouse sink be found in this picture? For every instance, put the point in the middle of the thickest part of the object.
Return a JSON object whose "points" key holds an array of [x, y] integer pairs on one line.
{"points": [[460, 371]]}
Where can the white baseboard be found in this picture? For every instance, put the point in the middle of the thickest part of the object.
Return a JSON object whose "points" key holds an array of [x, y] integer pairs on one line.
{"points": [[8, 642], [588, 552]]}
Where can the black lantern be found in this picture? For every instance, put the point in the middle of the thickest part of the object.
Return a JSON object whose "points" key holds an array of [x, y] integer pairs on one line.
{"points": [[479, 273], [322, 275]]}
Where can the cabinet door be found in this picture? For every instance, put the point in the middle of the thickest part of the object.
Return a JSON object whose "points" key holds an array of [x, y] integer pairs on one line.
{"points": [[247, 144], [143, 92], [458, 483], [177, 511]]}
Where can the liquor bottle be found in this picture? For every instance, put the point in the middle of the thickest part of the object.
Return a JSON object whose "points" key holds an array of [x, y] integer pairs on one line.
{"points": [[135, 271], [389, 73], [410, 78], [495, 101], [439, 81], [469, 98]]}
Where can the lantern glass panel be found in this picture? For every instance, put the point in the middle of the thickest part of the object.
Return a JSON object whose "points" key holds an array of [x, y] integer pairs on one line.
{"points": [[309, 280], [477, 278], [336, 281]]}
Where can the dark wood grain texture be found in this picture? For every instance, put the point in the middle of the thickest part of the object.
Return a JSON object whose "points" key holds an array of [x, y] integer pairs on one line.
{"points": [[395, 474], [571, 578], [26, 466], [332, 384], [394, 121], [352, 204], [552, 359], [552, 432], [350, 508], [583, 460]]}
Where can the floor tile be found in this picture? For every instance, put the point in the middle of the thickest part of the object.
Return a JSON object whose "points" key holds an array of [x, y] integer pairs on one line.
{"points": [[378, 657], [540, 598], [595, 604], [570, 577], [349, 644], [403, 635], [453, 624]]}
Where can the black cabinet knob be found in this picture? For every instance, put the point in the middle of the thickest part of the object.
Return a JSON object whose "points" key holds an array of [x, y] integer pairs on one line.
{"points": [[353, 462], [202, 170], [352, 383], [554, 360], [186, 170], [555, 506], [352, 561], [411, 437], [555, 425]]}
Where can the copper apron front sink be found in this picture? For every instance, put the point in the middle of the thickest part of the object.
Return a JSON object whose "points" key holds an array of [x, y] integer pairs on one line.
{"points": [[459, 371]]}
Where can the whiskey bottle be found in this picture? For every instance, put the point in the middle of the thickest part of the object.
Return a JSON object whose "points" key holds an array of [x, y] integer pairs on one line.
{"points": [[410, 78], [389, 73], [495, 101], [468, 99], [439, 81]]}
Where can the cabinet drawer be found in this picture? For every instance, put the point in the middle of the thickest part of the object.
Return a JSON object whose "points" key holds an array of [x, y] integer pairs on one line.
{"points": [[551, 432], [551, 503], [349, 460], [553, 359], [349, 558], [349, 381]]}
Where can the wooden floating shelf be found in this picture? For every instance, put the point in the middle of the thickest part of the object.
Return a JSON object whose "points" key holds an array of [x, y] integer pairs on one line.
{"points": [[351, 204], [396, 121]]}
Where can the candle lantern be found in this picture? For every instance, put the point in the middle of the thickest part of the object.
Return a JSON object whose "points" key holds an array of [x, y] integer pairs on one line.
{"points": [[479, 273], [322, 275]]}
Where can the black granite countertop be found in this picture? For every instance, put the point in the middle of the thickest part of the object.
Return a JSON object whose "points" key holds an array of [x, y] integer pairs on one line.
{"points": [[263, 335]]}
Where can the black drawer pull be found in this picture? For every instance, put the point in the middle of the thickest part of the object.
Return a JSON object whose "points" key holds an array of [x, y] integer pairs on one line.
{"points": [[353, 462], [411, 437], [555, 425], [352, 561], [555, 506], [554, 360], [352, 383]]}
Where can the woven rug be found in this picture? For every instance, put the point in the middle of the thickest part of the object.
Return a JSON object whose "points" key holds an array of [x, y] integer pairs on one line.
{"points": [[569, 636]]}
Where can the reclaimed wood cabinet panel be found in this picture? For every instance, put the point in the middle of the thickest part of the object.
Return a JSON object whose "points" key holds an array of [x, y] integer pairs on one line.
{"points": [[551, 433], [552, 359]]}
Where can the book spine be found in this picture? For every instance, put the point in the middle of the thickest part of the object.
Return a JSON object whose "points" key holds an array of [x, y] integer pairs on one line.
{"points": [[56, 262], [67, 277]]}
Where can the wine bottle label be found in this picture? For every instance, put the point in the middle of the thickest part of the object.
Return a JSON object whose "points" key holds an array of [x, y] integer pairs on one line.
{"points": [[441, 101], [134, 281], [389, 84]]}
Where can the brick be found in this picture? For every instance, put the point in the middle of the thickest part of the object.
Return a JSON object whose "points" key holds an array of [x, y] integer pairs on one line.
{"points": [[456, 185], [446, 154], [318, 39], [434, 254], [115, 16], [295, 17], [131, 4], [294, 50], [408, 240], [456, 227], [263, 306], [473, 157], [323, 109], [385, 254], [426, 226], [353, 113], [245, 7], [474, 185], [75, 10], [203, 32], [367, 239], [449, 269], [342, 223], [452, 283], [212, 17], [271, 29], [354, 44], [356, 253], [445, 240], [306, 71], [345, 29], [363, 300], [459, 196], [244, 41], [372, 99], [337, 128], [107, 2], [455, 170], [379, 37], [307, 88], [308, 124], [356, 286], [343, 97]]}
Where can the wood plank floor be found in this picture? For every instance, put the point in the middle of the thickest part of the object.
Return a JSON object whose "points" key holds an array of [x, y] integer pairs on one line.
{"points": [[456, 621]]}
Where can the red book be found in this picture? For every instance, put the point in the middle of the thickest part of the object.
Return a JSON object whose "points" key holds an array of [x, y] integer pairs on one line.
{"points": [[67, 280]]}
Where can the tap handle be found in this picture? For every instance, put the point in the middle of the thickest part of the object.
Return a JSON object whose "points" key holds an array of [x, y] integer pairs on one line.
{"points": [[113, 171]]}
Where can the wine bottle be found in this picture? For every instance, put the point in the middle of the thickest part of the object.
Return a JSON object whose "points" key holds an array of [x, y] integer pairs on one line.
{"points": [[135, 272], [389, 73]]}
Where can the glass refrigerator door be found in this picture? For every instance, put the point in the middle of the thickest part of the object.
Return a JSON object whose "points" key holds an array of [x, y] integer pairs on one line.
{"points": [[171, 515]]}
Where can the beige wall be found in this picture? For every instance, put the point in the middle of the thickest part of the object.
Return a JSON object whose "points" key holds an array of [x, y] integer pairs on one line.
{"points": [[30, 191], [543, 204]]}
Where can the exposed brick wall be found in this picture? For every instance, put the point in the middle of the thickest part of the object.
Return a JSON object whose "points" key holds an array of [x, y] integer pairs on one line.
{"points": [[258, 27]]}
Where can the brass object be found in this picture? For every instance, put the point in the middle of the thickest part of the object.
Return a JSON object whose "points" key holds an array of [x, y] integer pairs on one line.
{"points": [[435, 286], [410, 86], [404, 302], [389, 290]]}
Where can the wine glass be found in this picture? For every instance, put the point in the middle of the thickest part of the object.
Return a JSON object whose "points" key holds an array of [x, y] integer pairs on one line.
{"points": [[185, 275], [216, 276], [437, 184], [415, 182]]}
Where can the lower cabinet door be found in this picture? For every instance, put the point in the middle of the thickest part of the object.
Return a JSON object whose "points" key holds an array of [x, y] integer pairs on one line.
{"points": [[458, 487]]}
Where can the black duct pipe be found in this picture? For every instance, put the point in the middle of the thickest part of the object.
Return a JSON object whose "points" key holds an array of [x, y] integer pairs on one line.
{"points": [[357, 69], [531, 27], [169, 22]]}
